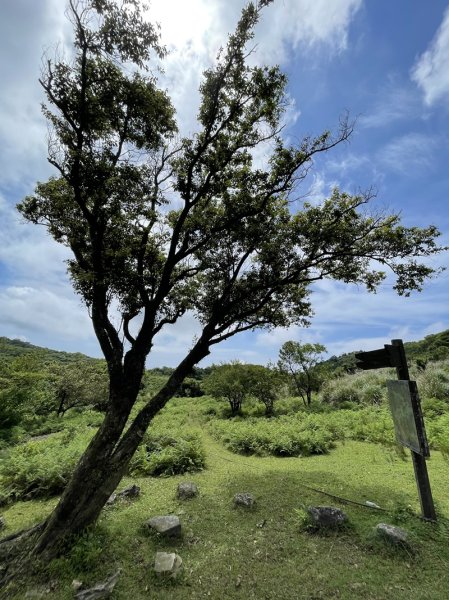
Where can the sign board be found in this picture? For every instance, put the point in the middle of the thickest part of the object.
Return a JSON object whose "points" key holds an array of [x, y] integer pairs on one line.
{"points": [[388, 356], [407, 416]]}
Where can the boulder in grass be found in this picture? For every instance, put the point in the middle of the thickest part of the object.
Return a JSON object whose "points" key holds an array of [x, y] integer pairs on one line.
{"points": [[167, 525], [187, 490], [395, 535], [328, 517], [167, 564], [244, 499]]}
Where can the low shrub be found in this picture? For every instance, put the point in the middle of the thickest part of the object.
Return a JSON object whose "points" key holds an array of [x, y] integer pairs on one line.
{"points": [[41, 468], [433, 408], [282, 436], [161, 454], [438, 433]]}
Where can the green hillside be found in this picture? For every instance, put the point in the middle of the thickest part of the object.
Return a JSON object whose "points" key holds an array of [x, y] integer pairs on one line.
{"points": [[10, 349], [431, 348]]}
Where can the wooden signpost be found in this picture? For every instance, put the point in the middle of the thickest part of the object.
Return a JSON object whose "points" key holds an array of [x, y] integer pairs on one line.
{"points": [[407, 416]]}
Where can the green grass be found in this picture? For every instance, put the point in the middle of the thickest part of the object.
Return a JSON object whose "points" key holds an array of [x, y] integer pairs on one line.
{"points": [[262, 553]]}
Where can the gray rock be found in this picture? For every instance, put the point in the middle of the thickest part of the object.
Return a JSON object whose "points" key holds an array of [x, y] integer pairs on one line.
{"points": [[167, 564], [327, 516], [187, 490], [132, 491], [244, 499], [2, 523], [168, 525], [393, 534]]}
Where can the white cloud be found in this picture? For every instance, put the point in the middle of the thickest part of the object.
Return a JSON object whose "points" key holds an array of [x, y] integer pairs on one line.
{"points": [[409, 154], [41, 311], [431, 70], [25, 33], [394, 103], [196, 30]]}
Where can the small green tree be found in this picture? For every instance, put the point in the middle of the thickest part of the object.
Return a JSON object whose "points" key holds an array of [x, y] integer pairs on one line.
{"points": [[265, 384], [299, 362], [231, 383]]}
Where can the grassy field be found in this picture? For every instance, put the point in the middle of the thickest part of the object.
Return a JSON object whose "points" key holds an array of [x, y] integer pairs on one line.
{"points": [[265, 552]]}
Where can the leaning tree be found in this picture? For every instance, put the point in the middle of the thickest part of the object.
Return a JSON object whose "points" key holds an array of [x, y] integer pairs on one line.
{"points": [[160, 225]]}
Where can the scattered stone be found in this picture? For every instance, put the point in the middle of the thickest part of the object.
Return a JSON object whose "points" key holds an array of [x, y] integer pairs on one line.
{"points": [[168, 525], [112, 498], [167, 564], [393, 534], [2, 523], [76, 585], [132, 491], [99, 591], [244, 499], [187, 490], [327, 516]]}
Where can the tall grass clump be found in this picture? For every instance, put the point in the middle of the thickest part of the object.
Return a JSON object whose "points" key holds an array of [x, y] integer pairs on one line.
{"points": [[360, 389], [434, 382]]}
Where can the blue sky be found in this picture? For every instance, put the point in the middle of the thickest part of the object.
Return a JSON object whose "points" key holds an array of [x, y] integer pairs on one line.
{"points": [[386, 63]]}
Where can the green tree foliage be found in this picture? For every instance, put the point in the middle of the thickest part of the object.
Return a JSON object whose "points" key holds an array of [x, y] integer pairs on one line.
{"points": [[266, 384], [81, 384], [159, 226], [231, 383], [300, 363], [24, 389]]}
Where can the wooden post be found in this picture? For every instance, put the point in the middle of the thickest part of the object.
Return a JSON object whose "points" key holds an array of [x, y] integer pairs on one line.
{"points": [[419, 462]]}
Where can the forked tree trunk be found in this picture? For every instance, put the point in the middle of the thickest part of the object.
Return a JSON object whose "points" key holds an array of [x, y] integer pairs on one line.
{"points": [[106, 459]]}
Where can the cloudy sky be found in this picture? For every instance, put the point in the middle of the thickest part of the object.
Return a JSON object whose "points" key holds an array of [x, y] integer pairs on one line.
{"points": [[387, 63]]}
